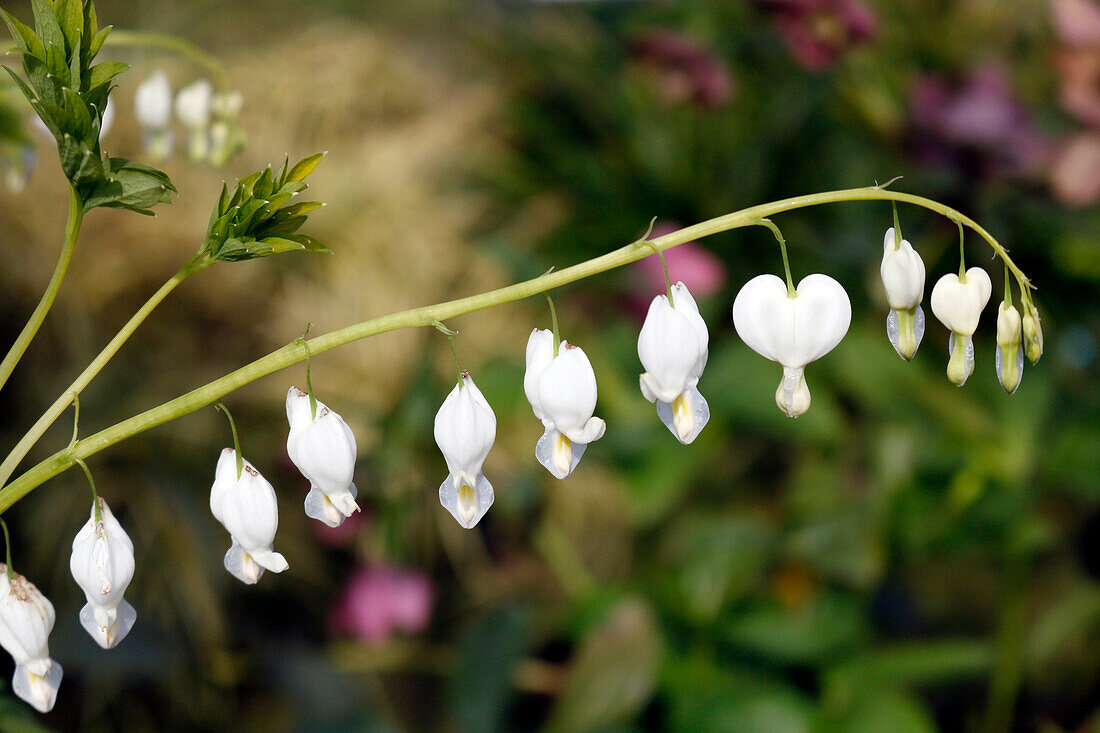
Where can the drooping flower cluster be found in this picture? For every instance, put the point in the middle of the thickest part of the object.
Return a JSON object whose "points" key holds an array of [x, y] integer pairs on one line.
{"points": [[209, 119]]}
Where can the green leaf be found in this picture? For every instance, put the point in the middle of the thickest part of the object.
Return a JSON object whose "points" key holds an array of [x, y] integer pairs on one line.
{"points": [[26, 38], [70, 13], [101, 74], [97, 43], [815, 631], [45, 22], [304, 167]]}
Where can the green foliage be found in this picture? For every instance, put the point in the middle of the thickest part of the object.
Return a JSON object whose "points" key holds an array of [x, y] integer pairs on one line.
{"points": [[70, 94], [255, 220]]}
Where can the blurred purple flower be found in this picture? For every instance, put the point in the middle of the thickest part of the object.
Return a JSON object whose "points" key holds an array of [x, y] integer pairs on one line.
{"points": [[818, 32], [379, 601], [683, 70], [696, 266], [980, 116]]}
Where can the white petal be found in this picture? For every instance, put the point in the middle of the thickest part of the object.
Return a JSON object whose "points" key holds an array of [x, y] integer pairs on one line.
{"points": [[540, 351], [557, 453], [793, 396], [319, 506], [763, 319], [467, 499], [241, 565], [323, 449], [193, 104], [108, 626], [685, 416], [669, 348], [465, 428], [958, 305], [792, 330], [225, 476], [567, 391], [38, 690], [298, 413], [822, 316], [153, 102], [902, 272]]}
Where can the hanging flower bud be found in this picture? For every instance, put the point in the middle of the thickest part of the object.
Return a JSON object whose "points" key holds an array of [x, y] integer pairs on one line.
{"points": [[226, 136], [323, 449], [1033, 333], [958, 304], [102, 564], [465, 428], [792, 329], [193, 110], [246, 506], [672, 347], [562, 393], [153, 110], [26, 620], [902, 273], [1010, 352]]}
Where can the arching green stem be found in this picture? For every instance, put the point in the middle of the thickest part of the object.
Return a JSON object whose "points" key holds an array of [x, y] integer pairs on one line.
{"points": [[962, 254], [433, 314], [454, 351], [236, 441], [7, 547], [95, 495], [141, 39], [23, 340]]}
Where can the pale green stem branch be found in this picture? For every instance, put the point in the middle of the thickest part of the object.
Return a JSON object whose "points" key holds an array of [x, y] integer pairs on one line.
{"points": [[140, 39], [72, 230], [62, 403], [295, 352]]}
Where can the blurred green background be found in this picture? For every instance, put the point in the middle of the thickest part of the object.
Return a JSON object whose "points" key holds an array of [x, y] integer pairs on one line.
{"points": [[906, 557]]}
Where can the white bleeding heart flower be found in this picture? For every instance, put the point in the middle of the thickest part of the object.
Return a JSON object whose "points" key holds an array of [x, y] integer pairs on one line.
{"points": [[153, 110], [902, 272], [672, 347], [958, 304], [194, 105], [792, 329], [562, 393], [465, 428], [323, 449], [102, 564], [247, 507], [26, 620], [107, 121], [1010, 349]]}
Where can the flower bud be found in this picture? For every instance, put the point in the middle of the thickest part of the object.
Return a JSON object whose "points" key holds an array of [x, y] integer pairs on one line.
{"points": [[562, 393], [902, 272], [958, 304], [323, 449], [792, 329], [465, 428], [1033, 333], [102, 564], [1010, 352], [153, 102], [672, 347], [193, 105], [246, 506], [26, 620]]}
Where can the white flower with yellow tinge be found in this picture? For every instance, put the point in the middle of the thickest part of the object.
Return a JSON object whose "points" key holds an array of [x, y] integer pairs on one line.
{"points": [[246, 506], [102, 564], [902, 272], [26, 620], [153, 110], [465, 428], [792, 328], [958, 303], [322, 446], [562, 391], [1010, 349], [194, 109], [672, 347]]}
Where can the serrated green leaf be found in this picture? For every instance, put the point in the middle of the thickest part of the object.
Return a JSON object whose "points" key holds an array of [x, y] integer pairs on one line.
{"points": [[91, 31], [292, 187], [75, 72], [101, 74], [23, 87], [280, 178], [27, 39], [45, 22], [304, 167], [78, 111], [38, 76]]}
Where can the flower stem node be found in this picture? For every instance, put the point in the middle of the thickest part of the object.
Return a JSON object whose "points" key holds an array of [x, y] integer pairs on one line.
{"points": [[26, 620], [323, 449], [903, 274], [246, 506], [465, 428], [102, 564], [792, 330], [1033, 333], [958, 303], [1010, 350], [561, 388], [672, 347]]}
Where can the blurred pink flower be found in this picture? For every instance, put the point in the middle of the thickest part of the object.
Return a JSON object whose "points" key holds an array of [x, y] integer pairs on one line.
{"points": [[818, 32], [379, 601], [691, 263], [1077, 22], [684, 70], [1073, 178], [982, 115]]}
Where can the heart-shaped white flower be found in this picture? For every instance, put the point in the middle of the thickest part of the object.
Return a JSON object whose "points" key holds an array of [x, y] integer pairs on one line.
{"points": [[958, 303], [792, 329], [902, 272]]}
